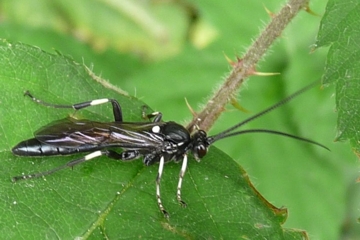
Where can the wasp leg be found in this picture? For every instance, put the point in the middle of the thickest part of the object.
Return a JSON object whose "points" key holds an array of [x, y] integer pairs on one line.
{"points": [[115, 105], [181, 176], [130, 155], [156, 115], [125, 156], [69, 164], [158, 180]]}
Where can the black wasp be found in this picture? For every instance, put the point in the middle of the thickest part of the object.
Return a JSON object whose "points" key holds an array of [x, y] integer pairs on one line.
{"points": [[156, 141]]}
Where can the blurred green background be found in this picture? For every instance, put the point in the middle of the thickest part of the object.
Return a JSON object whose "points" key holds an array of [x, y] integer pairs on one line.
{"points": [[165, 51]]}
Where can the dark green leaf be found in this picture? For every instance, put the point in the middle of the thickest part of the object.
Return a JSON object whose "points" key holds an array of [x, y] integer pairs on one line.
{"points": [[340, 29]]}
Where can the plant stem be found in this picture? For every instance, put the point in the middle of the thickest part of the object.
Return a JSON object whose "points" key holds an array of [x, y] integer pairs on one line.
{"points": [[245, 66]]}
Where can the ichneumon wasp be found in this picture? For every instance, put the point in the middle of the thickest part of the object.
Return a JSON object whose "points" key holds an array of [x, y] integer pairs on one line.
{"points": [[156, 141]]}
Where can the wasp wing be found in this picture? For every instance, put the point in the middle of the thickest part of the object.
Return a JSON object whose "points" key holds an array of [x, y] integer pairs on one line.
{"points": [[70, 133]]}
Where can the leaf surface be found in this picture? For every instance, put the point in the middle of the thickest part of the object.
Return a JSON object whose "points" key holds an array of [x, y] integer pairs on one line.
{"points": [[340, 30], [109, 198]]}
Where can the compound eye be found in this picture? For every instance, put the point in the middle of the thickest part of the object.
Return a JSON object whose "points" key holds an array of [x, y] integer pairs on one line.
{"points": [[200, 151]]}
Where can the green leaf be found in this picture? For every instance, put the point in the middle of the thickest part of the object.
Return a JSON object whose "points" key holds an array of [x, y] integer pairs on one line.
{"points": [[340, 29], [106, 198]]}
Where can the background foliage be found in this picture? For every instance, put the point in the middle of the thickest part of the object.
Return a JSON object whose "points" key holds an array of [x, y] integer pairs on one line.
{"points": [[158, 53]]}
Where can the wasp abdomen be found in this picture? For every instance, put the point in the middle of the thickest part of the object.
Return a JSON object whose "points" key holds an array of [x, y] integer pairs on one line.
{"points": [[33, 147]]}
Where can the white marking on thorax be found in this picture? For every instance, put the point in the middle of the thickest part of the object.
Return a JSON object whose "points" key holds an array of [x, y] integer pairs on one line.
{"points": [[155, 129]]}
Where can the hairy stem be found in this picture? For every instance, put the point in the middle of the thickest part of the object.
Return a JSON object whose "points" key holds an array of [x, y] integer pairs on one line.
{"points": [[245, 67]]}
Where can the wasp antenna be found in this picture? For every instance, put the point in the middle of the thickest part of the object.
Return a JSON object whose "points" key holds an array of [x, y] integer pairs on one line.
{"points": [[211, 140], [269, 109]]}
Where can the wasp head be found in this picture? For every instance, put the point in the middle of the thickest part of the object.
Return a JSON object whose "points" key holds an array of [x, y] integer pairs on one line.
{"points": [[200, 144]]}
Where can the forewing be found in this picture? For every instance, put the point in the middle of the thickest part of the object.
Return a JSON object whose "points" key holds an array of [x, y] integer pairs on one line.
{"points": [[71, 132], [136, 135]]}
